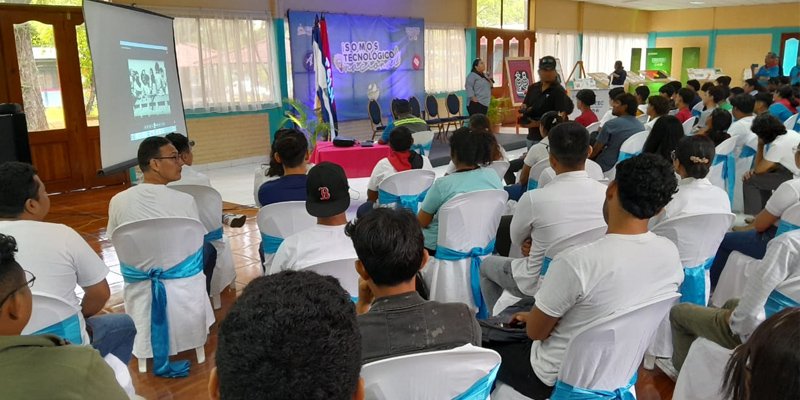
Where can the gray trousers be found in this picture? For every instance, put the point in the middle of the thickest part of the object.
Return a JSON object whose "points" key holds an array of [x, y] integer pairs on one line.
{"points": [[496, 277], [690, 321], [758, 189]]}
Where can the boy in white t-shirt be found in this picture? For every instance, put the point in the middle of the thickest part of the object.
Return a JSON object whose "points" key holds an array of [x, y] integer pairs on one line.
{"points": [[774, 162], [328, 197], [628, 267], [61, 260]]}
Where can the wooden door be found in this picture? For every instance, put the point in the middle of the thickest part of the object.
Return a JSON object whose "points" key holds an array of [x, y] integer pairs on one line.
{"points": [[494, 45], [41, 69], [793, 61]]}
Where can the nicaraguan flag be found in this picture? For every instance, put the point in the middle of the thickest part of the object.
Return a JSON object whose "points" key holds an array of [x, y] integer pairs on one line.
{"points": [[323, 73]]}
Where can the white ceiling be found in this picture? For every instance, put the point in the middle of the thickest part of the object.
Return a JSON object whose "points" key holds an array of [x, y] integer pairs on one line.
{"points": [[655, 5]]}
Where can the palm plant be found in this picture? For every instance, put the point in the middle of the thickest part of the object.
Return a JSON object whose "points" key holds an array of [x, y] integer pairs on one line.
{"points": [[297, 114]]}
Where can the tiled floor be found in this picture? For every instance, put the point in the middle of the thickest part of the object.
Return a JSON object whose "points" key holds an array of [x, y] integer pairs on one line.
{"points": [[87, 213]]}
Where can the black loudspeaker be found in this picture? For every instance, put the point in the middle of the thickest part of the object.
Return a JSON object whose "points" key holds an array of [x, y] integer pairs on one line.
{"points": [[14, 145]]}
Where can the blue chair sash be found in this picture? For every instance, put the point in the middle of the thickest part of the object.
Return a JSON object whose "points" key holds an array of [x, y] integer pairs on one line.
{"points": [[564, 391], [159, 325], [696, 113], [693, 288], [624, 156], [270, 244], [407, 201], [443, 253], [533, 184], [69, 329], [747, 152], [213, 235], [481, 389], [545, 265], [785, 226], [422, 149], [728, 162], [777, 301]]}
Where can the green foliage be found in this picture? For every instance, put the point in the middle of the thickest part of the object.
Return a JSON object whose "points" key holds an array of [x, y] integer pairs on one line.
{"points": [[514, 14], [497, 110], [298, 115]]}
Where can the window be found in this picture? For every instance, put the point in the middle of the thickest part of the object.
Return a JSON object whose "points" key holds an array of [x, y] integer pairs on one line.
{"points": [[561, 45], [602, 49], [445, 59], [226, 63], [503, 14]]}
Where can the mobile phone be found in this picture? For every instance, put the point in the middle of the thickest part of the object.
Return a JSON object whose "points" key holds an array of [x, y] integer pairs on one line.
{"points": [[367, 143]]}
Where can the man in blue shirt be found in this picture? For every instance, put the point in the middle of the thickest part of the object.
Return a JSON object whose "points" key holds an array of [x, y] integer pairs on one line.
{"points": [[291, 152], [605, 150], [770, 69]]}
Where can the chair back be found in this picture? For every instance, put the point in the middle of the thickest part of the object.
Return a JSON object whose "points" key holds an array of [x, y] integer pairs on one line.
{"points": [[642, 108], [343, 270], [790, 220], [697, 236], [453, 105], [500, 166], [536, 173], [643, 118], [723, 168], [592, 168], [48, 310], [432, 106], [444, 374], [698, 109], [568, 242], [281, 220], [703, 371], [747, 145], [673, 112], [791, 122], [423, 141], [606, 354], [415, 109], [688, 125], [593, 127], [374, 112], [632, 146], [408, 183]]}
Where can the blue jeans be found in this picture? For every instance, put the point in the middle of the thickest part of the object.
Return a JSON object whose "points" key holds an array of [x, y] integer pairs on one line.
{"points": [[749, 243], [112, 333]]}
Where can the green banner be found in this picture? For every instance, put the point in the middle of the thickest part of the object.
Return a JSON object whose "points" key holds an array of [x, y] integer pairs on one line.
{"points": [[636, 59], [659, 59], [690, 59]]}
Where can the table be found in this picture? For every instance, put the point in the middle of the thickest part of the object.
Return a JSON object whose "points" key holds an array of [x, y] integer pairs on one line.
{"points": [[357, 161]]}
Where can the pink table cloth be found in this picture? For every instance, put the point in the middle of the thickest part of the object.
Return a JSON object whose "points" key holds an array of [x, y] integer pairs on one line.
{"points": [[356, 161]]}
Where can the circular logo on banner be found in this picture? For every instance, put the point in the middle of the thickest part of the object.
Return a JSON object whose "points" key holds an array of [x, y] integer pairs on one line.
{"points": [[308, 61], [416, 62]]}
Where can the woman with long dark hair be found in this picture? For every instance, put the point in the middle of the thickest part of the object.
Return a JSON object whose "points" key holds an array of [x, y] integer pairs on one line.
{"points": [[663, 138], [479, 88]]}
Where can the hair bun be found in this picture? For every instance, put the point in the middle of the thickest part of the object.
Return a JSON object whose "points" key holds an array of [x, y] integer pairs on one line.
{"points": [[8, 246]]}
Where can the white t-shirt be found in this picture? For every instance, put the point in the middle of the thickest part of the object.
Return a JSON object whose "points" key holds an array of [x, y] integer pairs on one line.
{"points": [[695, 196], [779, 270], [383, 169], [571, 203], [537, 152], [740, 130], [315, 245], [780, 151], [190, 176], [147, 200], [593, 281], [787, 195]]}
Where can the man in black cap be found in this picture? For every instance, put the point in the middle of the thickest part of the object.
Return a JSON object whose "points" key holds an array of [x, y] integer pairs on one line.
{"points": [[543, 96], [328, 196]]}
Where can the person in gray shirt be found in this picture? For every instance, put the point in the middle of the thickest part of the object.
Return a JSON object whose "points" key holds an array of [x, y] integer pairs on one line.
{"points": [[393, 318], [479, 88], [605, 150]]}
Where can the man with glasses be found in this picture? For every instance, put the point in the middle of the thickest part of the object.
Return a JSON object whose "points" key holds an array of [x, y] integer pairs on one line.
{"points": [[28, 361], [62, 260]]}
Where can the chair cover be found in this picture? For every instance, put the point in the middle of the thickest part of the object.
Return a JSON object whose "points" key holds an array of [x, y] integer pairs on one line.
{"points": [[643, 118], [592, 168], [703, 372], [467, 222], [744, 162], [733, 278], [500, 166], [593, 127], [277, 222], [466, 372], [406, 189], [791, 122], [343, 270], [423, 141], [209, 204], [698, 109], [723, 168], [536, 172], [605, 355], [790, 220], [566, 243], [164, 243], [53, 315], [632, 146], [673, 112], [642, 108], [121, 373], [688, 125]]}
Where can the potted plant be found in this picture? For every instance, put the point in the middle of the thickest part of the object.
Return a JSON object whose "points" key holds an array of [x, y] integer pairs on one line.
{"points": [[497, 112], [297, 114]]}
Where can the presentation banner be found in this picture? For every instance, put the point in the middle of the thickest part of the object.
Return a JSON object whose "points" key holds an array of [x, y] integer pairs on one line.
{"points": [[519, 71], [373, 58], [659, 59], [636, 59], [690, 59]]}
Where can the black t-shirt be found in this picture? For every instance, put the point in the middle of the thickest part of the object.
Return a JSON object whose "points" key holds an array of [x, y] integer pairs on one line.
{"points": [[539, 102]]}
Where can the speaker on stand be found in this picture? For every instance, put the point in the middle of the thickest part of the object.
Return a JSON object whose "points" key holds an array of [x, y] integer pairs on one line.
{"points": [[14, 145]]}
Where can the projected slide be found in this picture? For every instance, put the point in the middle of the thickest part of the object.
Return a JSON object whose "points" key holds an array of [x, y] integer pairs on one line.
{"points": [[148, 88]]}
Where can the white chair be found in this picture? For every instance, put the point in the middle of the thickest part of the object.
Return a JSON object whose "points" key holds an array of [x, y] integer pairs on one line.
{"points": [[423, 141], [343, 270], [577, 239], [698, 109], [673, 112], [790, 220], [593, 127], [259, 177], [52, 315], [209, 204], [464, 372], [605, 355], [466, 222], [723, 168], [592, 168], [536, 172], [277, 222], [703, 371], [643, 118], [688, 125], [406, 189], [738, 269], [791, 122], [122, 374], [632, 146], [500, 166], [642, 108], [749, 145], [172, 248]]}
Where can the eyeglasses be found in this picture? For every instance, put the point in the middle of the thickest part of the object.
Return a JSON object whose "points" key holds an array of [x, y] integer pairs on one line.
{"points": [[176, 158], [29, 279]]}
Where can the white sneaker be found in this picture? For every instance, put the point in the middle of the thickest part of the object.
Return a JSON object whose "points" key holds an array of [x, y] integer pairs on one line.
{"points": [[665, 365]]}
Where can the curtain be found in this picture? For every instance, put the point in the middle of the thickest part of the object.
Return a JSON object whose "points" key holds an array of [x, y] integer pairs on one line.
{"points": [[227, 63], [445, 59], [602, 49], [561, 45]]}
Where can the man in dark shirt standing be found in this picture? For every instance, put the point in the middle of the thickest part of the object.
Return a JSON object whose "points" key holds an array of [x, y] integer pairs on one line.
{"points": [[394, 319], [543, 96]]}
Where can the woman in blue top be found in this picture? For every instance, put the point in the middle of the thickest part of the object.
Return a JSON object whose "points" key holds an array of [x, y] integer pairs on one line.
{"points": [[470, 150], [784, 104], [479, 88], [794, 74]]}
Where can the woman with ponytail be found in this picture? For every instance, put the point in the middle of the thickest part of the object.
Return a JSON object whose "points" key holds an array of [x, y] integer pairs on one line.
{"points": [[479, 88], [469, 151], [288, 164]]}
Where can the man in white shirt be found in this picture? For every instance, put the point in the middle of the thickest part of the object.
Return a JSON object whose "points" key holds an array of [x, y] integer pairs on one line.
{"points": [[571, 203], [774, 162], [327, 199], [161, 164], [61, 260], [743, 120], [775, 284], [628, 267]]}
